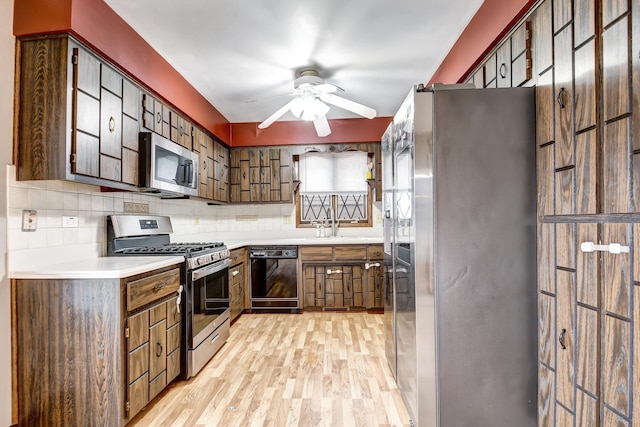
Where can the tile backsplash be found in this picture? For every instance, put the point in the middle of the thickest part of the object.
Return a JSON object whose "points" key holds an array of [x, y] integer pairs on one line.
{"points": [[193, 220]]}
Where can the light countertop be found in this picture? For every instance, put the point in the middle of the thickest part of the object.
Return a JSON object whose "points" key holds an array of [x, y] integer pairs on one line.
{"points": [[302, 241], [98, 268]]}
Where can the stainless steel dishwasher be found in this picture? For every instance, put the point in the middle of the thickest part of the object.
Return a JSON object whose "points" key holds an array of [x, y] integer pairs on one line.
{"points": [[274, 277]]}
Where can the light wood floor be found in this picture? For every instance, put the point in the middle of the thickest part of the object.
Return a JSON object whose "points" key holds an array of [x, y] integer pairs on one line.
{"points": [[311, 369]]}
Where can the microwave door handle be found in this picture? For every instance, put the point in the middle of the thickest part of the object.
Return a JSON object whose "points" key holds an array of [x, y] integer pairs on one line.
{"points": [[187, 172]]}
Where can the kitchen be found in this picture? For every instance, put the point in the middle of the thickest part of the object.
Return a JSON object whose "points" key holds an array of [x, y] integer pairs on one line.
{"points": [[589, 221]]}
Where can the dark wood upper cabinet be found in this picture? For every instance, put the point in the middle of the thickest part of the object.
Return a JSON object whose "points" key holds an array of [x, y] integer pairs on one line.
{"points": [[259, 175]]}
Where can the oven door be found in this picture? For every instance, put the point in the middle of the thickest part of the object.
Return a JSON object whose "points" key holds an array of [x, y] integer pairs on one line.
{"points": [[208, 307]]}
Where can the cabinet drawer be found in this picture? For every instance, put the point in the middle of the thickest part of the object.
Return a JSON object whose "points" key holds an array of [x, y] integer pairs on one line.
{"points": [[350, 252], [375, 252], [151, 288], [316, 253], [173, 338], [138, 363], [157, 313], [238, 255]]}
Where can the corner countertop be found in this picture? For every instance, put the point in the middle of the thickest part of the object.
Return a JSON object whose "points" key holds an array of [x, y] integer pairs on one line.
{"points": [[98, 268]]}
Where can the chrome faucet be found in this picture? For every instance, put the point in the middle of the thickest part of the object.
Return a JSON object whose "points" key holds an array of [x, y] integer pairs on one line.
{"points": [[335, 223]]}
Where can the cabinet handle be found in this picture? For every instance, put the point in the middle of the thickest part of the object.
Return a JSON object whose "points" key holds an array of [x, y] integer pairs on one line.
{"points": [[158, 117], [159, 350], [235, 273], [330, 271], [159, 286], [503, 70], [179, 299], [559, 98], [112, 124], [181, 131], [613, 248], [561, 339], [368, 266], [204, 165]]}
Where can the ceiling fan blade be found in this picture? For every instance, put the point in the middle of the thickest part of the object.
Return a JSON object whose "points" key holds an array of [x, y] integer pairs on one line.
{"points": [[275, 116], [327, 88], [348, 105], [322, 126]]}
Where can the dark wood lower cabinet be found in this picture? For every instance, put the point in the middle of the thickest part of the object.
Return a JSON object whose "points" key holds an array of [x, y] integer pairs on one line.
{"points": [[82, 359]]}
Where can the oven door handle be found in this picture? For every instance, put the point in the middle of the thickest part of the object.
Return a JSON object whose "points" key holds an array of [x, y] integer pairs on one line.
{"points": [[205, 271]]}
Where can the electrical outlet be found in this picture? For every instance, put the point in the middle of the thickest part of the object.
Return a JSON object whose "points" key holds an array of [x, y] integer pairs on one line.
{"points": [[69, 221], [196, 221], [29, 220], [379, 218], [286, 219]]}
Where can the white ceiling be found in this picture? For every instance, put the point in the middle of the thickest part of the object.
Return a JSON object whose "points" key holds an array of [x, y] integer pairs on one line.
{"points": [[242, 55]]}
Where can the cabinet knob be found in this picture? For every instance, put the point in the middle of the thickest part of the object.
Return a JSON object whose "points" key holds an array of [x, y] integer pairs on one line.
{"points": [[112, 124], [561, 339], [560, 98], [503, 70]]}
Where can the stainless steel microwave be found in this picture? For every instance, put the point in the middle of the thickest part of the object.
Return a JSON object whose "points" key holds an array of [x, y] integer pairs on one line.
{"points": [[166, 168]]}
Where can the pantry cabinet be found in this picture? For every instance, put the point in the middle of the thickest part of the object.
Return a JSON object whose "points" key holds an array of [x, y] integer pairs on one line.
{"points": [[341, 277], [77, 116], [259, 175], [94, 351]]}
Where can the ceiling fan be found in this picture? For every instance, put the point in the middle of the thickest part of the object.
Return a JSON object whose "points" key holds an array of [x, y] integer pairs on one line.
{"points": [[311, 96]]}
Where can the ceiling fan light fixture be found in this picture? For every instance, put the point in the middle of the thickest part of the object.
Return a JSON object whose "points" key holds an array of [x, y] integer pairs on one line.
{"points": [[313, 108]]}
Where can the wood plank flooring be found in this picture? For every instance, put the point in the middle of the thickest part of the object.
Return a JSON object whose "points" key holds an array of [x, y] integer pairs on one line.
{"points": [[311, 369]]}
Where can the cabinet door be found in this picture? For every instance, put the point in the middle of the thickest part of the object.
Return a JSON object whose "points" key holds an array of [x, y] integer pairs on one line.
{"points": [[86, 142], [375, 285], [157, 349], [286, 189]]}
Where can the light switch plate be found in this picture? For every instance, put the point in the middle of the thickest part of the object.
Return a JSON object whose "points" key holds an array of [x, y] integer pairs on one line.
{"points": [[29, 220]]}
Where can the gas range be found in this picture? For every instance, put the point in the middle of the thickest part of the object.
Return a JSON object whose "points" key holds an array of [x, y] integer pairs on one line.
{"points": [[149, 235]]}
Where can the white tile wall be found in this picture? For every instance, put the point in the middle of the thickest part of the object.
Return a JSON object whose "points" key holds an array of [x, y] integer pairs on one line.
{"points": [[193, 221]]}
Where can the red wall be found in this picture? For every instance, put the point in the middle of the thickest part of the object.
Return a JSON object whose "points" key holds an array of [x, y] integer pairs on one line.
{"points": [[95, 23]]}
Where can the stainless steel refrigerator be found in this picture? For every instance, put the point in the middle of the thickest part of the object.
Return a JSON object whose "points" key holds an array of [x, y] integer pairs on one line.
{"points": [[459, 201]]}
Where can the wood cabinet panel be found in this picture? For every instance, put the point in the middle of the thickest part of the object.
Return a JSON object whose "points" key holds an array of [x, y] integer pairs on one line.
{"points": [[545, 180], [88, 114], [87, 159], [584, 21], [585, 86], [173, 315], [613, 9], [130, 99], [542, 37], [563, 76], [130, 163], [588, 267], [546, 330], [157, 385], [615, 70], [138, 330], [614, 420], [490, 71], [110, 168], [157, 314], [173, 365], [565, 328], [546, 397], [375, 286], [636, 351], [173, 338], [616, 164], [151, 288], [375, 252], [616, 366], [138, 362], [562, 13], [130, 130], [138, 394], [587, 355], [563, 417], [87, 72], [565, 246], [587, 412], [565, 187], [616, 272], [503, 64], [586, 172], [546, 258], [111, 80], [520, 71]]}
